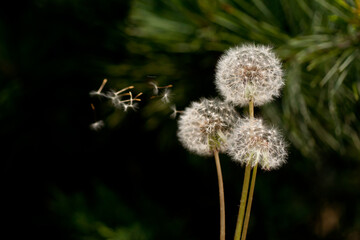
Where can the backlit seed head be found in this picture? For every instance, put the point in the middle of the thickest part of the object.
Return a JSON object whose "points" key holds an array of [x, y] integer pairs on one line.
{"points": [[253, 143], [249, 71], [206, 125]]}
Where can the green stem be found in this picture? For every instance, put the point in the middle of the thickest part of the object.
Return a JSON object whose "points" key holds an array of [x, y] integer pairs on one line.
{"points": [[245, 189], [251, 108], [244, 194], [248, 208], [221, 195]]}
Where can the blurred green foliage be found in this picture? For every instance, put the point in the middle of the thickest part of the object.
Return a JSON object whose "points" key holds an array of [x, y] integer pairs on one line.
{"points": [[317, 40], [84, 216], [133, 180]]}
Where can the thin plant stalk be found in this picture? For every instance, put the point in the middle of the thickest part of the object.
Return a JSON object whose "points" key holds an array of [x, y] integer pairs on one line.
{"points": [[252, 186], [251, 108], [221, 195], [244, 194], [249, 203], [245, 189]]}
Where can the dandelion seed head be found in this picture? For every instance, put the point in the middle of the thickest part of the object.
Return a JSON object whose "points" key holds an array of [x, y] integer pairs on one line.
{"points": [[253, 143], [205, 121], [249, 71]]}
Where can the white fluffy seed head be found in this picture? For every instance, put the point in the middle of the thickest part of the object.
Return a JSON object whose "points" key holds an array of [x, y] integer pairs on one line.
{"points": [[206, 125], [249, 71], [253, 143]]}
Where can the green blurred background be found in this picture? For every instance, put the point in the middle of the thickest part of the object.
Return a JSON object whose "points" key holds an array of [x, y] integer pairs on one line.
{"points": [[132, 180]]}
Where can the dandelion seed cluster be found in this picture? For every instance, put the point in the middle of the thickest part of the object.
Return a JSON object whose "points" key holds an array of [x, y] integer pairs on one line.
{"points": [[206, 124], [249, 72], [253, 143]]}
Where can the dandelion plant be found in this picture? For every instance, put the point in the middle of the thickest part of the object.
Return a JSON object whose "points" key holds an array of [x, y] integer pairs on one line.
{"points": [[253, 144], [251, 75], [203, 129]]}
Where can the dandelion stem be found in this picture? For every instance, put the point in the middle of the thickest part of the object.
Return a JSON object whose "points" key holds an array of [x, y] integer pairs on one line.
{"points": [[252, 186], [248, 207], [221, 195], [251, 108], [244, 194], [245, 189]]}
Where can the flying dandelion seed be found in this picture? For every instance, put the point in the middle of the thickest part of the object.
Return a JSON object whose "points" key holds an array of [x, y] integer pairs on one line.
{"points": [[155, 88], [99, 91], [166, 96], [96, 126], [129, 103], [134, 106], [116, 98], [174, 112]]}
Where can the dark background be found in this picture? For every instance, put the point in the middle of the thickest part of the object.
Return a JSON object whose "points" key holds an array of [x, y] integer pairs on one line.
{"points": [[132, 179]]}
